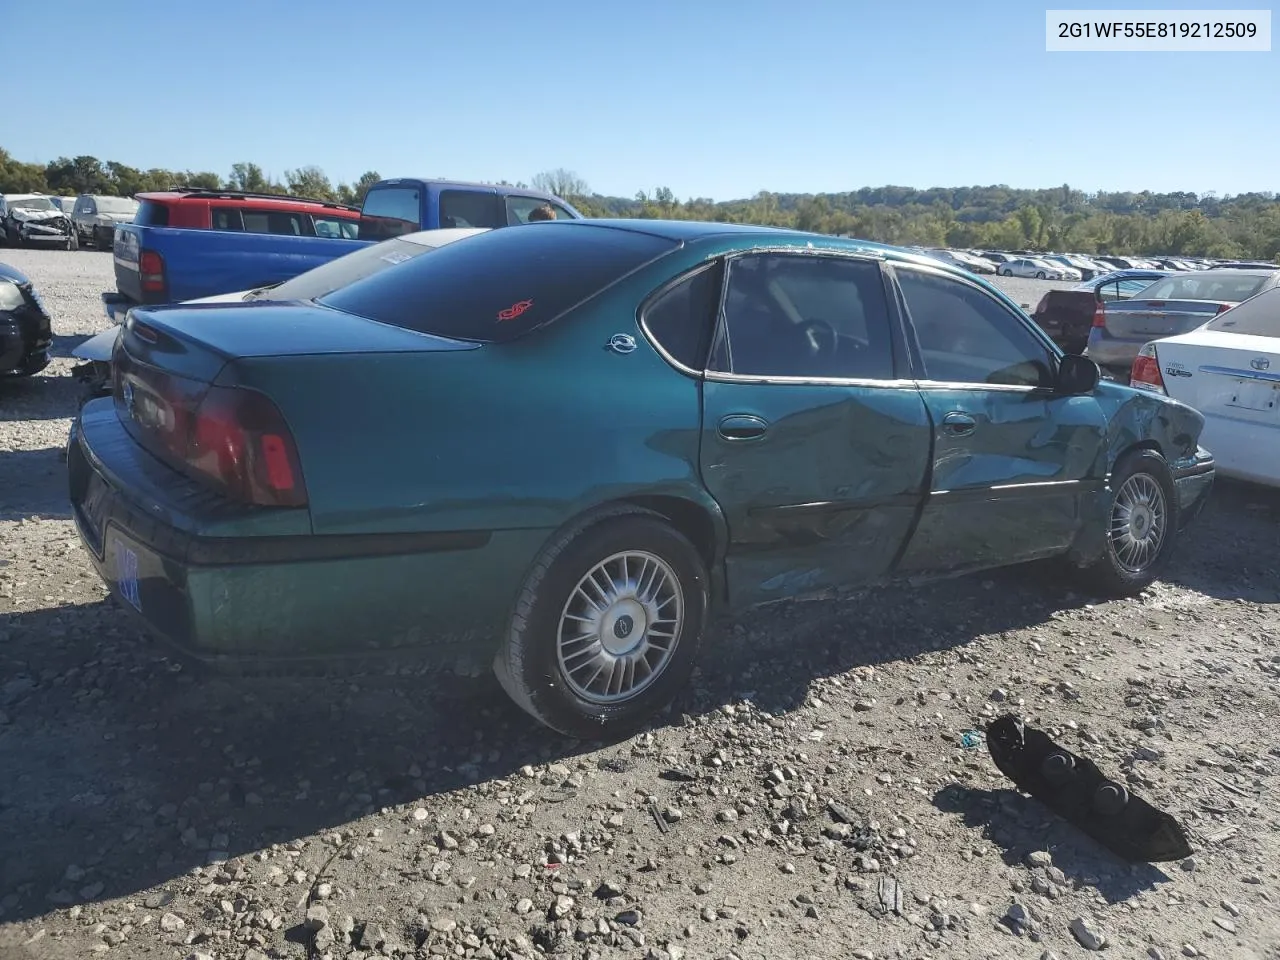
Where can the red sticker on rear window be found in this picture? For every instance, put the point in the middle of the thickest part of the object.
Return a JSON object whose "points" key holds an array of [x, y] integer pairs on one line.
{"points": [[515, 310]]}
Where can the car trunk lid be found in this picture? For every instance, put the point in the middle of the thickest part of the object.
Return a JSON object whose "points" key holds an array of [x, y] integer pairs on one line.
{"points": [[1224, 374], [1152, 319]]}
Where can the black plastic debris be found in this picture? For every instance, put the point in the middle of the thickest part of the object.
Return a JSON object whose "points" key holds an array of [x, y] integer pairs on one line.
{"points": [[1075, 789]]}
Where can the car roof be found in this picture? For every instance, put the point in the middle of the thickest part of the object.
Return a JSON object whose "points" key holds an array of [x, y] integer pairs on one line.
{"points": [[697, 231], [249, 200], [470, 185], [1229, 272]]}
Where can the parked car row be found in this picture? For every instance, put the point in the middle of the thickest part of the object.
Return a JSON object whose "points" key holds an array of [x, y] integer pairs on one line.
{"points": [[66, 222], [1072, 266]]}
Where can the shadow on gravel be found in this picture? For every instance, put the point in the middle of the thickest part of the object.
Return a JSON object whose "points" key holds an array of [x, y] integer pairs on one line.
{"points": [[121, 771], [33, 483], [130, 770], [1245, 518], [1020, 825], [42, 397]]}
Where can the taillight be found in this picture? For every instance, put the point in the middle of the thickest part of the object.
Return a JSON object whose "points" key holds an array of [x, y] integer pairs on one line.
{"points": [[1145, 373], [1100, 314], [233, 437], [240, 440], [151, 271]]}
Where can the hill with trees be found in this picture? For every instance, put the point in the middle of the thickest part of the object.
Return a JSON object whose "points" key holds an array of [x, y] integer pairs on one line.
{"points": [[995, 217]]}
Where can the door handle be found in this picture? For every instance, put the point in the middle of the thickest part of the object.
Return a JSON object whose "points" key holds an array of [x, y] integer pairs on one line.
{"points": [[959, 424], [742, 426]]}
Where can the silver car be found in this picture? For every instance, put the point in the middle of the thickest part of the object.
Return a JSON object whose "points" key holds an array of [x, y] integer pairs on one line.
{"points": [[1177, 304], [1039, 269]]}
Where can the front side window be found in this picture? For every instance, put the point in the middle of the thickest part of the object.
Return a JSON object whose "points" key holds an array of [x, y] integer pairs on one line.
{"points": [[791, 315], [967, 336]]}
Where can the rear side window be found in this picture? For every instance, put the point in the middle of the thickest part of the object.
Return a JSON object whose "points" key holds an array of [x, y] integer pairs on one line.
{"points": [[680, 319], [500, 285], [273, 221], [1259, 317], [464, 208], [336, 228], [225, 218], [152, 214]]}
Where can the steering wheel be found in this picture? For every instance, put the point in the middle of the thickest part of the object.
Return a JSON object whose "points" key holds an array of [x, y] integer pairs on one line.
{"points": [[818, 330]]}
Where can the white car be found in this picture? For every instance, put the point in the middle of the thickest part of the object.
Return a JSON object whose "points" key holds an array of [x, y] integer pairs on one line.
{"points": [[1229, 370], [1039, 269], [317, 282]]}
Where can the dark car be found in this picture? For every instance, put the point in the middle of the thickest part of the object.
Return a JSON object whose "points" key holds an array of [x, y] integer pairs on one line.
{"points": [[558, 449], [25, 330], [1068, 315]]}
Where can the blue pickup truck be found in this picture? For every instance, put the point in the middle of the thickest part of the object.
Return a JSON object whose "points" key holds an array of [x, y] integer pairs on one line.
{"points": [[187, 244]]}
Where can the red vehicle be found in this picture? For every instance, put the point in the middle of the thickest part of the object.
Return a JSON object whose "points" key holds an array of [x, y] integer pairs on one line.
{"points": [[187, 244], [248, 212]]}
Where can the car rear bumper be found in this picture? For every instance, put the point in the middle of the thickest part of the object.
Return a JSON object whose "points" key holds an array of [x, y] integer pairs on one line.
{"points": [[1193, 479], [1244, 449], [264, 601], [1108, 351]]}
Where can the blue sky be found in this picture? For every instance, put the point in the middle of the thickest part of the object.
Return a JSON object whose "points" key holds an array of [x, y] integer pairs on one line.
{"points": [[717, 98]]}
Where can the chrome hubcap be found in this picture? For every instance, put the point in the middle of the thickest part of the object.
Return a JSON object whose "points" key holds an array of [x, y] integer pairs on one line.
{"points": [[1138, 521], [620, 627]]}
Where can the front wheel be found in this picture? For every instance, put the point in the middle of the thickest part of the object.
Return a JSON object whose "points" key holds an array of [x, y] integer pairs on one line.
{"points": [[1142, 526], [607, 627], [1039, 274]]}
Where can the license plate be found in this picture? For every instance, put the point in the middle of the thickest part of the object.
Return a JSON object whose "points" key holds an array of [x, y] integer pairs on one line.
{"points": [[1253, 395], [127, 575]]}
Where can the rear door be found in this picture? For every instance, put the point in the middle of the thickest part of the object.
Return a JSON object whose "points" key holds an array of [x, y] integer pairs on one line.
{"points": [[813, 445], [1012, 460]]}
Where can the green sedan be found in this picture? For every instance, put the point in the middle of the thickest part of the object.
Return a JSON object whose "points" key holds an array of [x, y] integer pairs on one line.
{"points": [[560, 449]]}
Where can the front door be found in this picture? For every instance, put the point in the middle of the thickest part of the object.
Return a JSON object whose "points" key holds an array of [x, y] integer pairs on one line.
{"points": [[1012, 460], [814, 450]]}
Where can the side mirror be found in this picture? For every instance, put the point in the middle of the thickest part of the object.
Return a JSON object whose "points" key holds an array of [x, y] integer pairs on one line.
{"points": [[1077, 375]]}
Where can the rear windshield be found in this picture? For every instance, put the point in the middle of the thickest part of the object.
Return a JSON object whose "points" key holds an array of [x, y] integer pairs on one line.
{"points": [[500, 285], [1260, 317], [151, 214], [335, 274], [1205, 286]]}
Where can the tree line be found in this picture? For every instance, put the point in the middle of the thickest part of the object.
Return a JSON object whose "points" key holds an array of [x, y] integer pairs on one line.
{"points": [[984, 217]]}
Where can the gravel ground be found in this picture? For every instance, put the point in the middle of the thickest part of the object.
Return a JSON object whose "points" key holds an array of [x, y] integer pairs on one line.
{"points": [[808, 796]]}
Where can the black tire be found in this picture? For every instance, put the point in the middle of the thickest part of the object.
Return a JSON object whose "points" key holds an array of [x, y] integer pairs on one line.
{"points": [[1039, 274], [1109, 574], [73, 241], [528, 664]]}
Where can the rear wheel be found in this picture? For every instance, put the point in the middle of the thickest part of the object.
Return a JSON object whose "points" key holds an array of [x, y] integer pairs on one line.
{"points": [[1005, 273], [607, 627], [1142, 526]]}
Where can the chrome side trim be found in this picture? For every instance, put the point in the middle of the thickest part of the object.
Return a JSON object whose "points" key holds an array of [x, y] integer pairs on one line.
{"points": [[1242, 374]]}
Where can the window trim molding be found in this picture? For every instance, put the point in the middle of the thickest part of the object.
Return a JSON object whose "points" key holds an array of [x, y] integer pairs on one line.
{"points": [[642, 312]]}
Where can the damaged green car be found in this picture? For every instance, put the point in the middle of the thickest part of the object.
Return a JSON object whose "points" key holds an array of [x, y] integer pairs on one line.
{"points": [[560, 448]]}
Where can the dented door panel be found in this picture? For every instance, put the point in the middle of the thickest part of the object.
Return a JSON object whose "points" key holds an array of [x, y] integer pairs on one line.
{"points": [[820, 484], [1013, 486]]}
